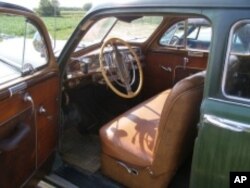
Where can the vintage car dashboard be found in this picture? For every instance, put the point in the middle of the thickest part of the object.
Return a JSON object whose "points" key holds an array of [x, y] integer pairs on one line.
{"points": [[84, 69]]}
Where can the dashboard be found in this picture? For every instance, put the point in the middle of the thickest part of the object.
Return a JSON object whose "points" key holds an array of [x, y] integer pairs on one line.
{"points": [[84, 69]]}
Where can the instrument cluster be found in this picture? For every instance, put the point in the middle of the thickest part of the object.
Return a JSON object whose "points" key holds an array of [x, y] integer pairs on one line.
{"points": [[86, 68]]}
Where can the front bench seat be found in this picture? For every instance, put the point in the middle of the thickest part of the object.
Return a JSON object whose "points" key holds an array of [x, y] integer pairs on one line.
{"points": [[145, 146]]}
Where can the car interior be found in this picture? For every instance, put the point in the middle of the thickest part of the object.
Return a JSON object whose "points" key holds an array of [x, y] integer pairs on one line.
{"points": [[136, 138], [130, 104]]}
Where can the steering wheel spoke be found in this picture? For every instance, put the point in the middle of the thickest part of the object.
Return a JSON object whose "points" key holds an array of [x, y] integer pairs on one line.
{"points": [[117, 68], [128, 89]]}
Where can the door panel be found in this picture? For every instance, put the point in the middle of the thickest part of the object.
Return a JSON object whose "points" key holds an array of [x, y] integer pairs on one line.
{"points": [[28, 129], [45, 95], [17, 144], [166, 67], [181, 72]]}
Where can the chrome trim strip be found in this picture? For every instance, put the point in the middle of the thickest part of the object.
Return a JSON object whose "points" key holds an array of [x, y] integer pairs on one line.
{"points": [[229, 102], [188, 67], [226, 124], [195, 53], [17, 88], [230, 40]]}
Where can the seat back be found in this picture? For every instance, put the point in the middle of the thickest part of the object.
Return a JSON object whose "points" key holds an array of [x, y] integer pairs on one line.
{"points": [[178, 125]]}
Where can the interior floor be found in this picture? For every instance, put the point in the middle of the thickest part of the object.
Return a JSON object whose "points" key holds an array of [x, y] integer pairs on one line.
{"points": [[81, 150]]}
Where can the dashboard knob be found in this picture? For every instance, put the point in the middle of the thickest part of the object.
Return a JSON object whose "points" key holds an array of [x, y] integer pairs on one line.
{"points": [[42, 110]]}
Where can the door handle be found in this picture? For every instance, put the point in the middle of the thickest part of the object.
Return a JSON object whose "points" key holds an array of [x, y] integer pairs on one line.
{"points": [[226, 124], [168, 69], [14, 140]]}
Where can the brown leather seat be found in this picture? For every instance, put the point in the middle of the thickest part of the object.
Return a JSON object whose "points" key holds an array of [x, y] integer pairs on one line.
{"points": [[145, 146]]}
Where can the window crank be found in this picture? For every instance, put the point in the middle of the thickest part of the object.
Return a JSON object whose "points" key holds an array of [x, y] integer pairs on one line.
{"points": [[185, 61]]}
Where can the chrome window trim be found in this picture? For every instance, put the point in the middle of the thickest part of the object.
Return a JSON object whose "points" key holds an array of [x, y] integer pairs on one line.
{"points": [[227, 61], [226, 123]]}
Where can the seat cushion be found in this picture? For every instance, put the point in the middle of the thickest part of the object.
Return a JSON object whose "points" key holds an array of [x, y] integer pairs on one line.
{"points": [[131, 136]]}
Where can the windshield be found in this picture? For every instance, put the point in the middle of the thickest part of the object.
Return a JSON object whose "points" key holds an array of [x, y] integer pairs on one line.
{"points": [[138, 30], [97, 32], [130, 29]]}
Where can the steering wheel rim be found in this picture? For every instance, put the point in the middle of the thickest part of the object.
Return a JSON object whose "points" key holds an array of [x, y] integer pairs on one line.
{"points": [[129, 94]]}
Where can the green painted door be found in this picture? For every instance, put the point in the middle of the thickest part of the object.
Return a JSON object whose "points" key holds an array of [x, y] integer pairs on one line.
{"points": [[223, 142], [223, 145]]}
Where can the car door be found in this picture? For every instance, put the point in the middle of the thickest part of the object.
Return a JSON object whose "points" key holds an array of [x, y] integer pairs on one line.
{"points": [[222, 145], [29, 95], [181, 50]]}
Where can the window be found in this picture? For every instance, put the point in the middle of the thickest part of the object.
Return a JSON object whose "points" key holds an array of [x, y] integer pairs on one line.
{"points": [[194, 33], [236, 78], [129, 28], [135, 29], [18, 52], [97, 32], [172, 37]]}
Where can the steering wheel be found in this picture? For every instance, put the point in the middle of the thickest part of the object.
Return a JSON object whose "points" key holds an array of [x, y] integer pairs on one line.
{"points": [[116, 67]]}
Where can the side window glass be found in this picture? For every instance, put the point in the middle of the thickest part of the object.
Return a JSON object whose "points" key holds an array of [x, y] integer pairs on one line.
{"points": [[195, 34], [174, 35], [236, 82], [18, 52], [35, 51], [199, 38]]}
